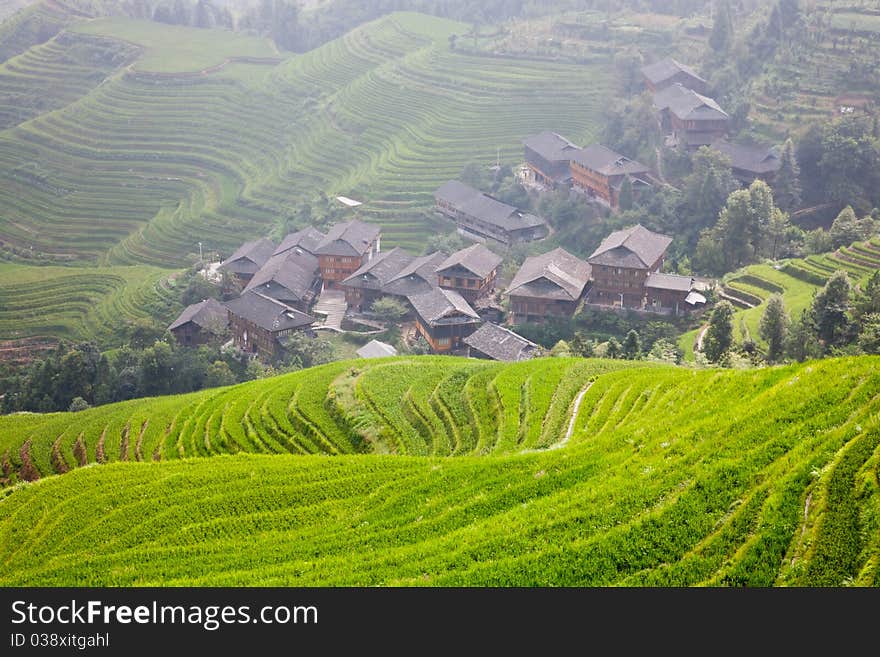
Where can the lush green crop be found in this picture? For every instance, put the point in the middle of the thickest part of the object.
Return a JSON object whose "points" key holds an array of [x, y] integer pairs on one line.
{"points": [[671, 477]]}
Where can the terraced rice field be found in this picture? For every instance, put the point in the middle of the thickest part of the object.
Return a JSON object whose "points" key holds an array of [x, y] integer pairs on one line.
{"points": [[796, 280], [839, 57], [154, 159], [76, 303], [670, 477]]}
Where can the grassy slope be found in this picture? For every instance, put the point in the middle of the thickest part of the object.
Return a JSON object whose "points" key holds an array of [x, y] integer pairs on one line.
{"points": [[672, 477]]}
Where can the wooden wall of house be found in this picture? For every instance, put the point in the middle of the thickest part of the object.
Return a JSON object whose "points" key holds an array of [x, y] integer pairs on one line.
{"points": [[445, 337], [535, 309], [592, 181]]}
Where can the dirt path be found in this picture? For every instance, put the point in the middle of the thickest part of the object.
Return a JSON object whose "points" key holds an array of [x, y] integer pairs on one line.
{"points": [[574, 414], [699, 343]]}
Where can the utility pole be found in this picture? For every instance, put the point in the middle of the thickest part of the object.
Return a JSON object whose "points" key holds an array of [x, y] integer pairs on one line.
{"points": [[200, 253]]}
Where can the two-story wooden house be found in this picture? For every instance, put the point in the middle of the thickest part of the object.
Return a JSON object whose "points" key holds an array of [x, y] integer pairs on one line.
{"points": [[291, 277], [621, 264], [471, 272], [368, 283], [691, 119], [481, 217], [444, 318], [200, 323], [345, 249], [247, 260], [547, 285], [259, 323], [600, 172], [548, 157], [750, 162], [666, 72]]}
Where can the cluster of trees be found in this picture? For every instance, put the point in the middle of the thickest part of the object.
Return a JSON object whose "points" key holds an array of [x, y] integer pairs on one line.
{"points": [[632, 348], [81, 373], [749, 227], [841, 320]]}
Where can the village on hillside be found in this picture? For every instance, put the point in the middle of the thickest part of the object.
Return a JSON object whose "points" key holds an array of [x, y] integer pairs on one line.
{"points": [[328, 281], [315, 281]]}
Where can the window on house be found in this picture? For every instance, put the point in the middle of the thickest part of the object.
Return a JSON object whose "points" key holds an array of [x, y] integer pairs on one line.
{"points": [[443, 342]]}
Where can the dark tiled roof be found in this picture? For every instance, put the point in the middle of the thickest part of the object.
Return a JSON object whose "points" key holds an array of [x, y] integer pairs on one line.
{"points": [[439, 304], [688, 105], [633, 247], [554, 275], [380, 270], [755, 159], [500, 343], [267, 313], [455, 192], [209, 314], [376, 349], [307, 239], [294, 270], [666, 69], [249, 257], [669, 282], [475, 258], [551, 146], [418, 277], [352, 238], [481, 206], [607, 162]]}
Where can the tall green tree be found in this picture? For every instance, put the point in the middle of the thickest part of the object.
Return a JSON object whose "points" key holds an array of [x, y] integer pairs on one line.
{"points": [[787, 182], [632, 346], [721, 37], [774, 328], [830, 311], [719, 336], [802, 343]]}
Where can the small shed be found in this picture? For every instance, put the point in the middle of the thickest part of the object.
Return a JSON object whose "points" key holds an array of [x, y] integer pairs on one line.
{"points": [[376, 349]]}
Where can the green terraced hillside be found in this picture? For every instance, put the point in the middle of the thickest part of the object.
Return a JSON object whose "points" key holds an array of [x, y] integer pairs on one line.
{"points": [[77, 303], [797, 280], [664, 476], [138, 163]]}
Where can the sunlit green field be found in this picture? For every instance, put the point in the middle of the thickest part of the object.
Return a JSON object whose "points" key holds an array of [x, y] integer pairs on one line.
{"points": [[441, 471]]}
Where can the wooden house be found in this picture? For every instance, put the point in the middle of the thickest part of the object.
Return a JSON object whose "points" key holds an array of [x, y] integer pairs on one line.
{"points": [[750, 163], [200, 323], [345, 249], [291, 277], [471, 272], [548, 157], [308, 239], [259, 323], [247, 260], [444, 318], [622, 263], [666, 72], [548, 285], [691, 119], [418, 277], [671, 293], [368, 283], [600, 172], [480, 216], [498, 343]]}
